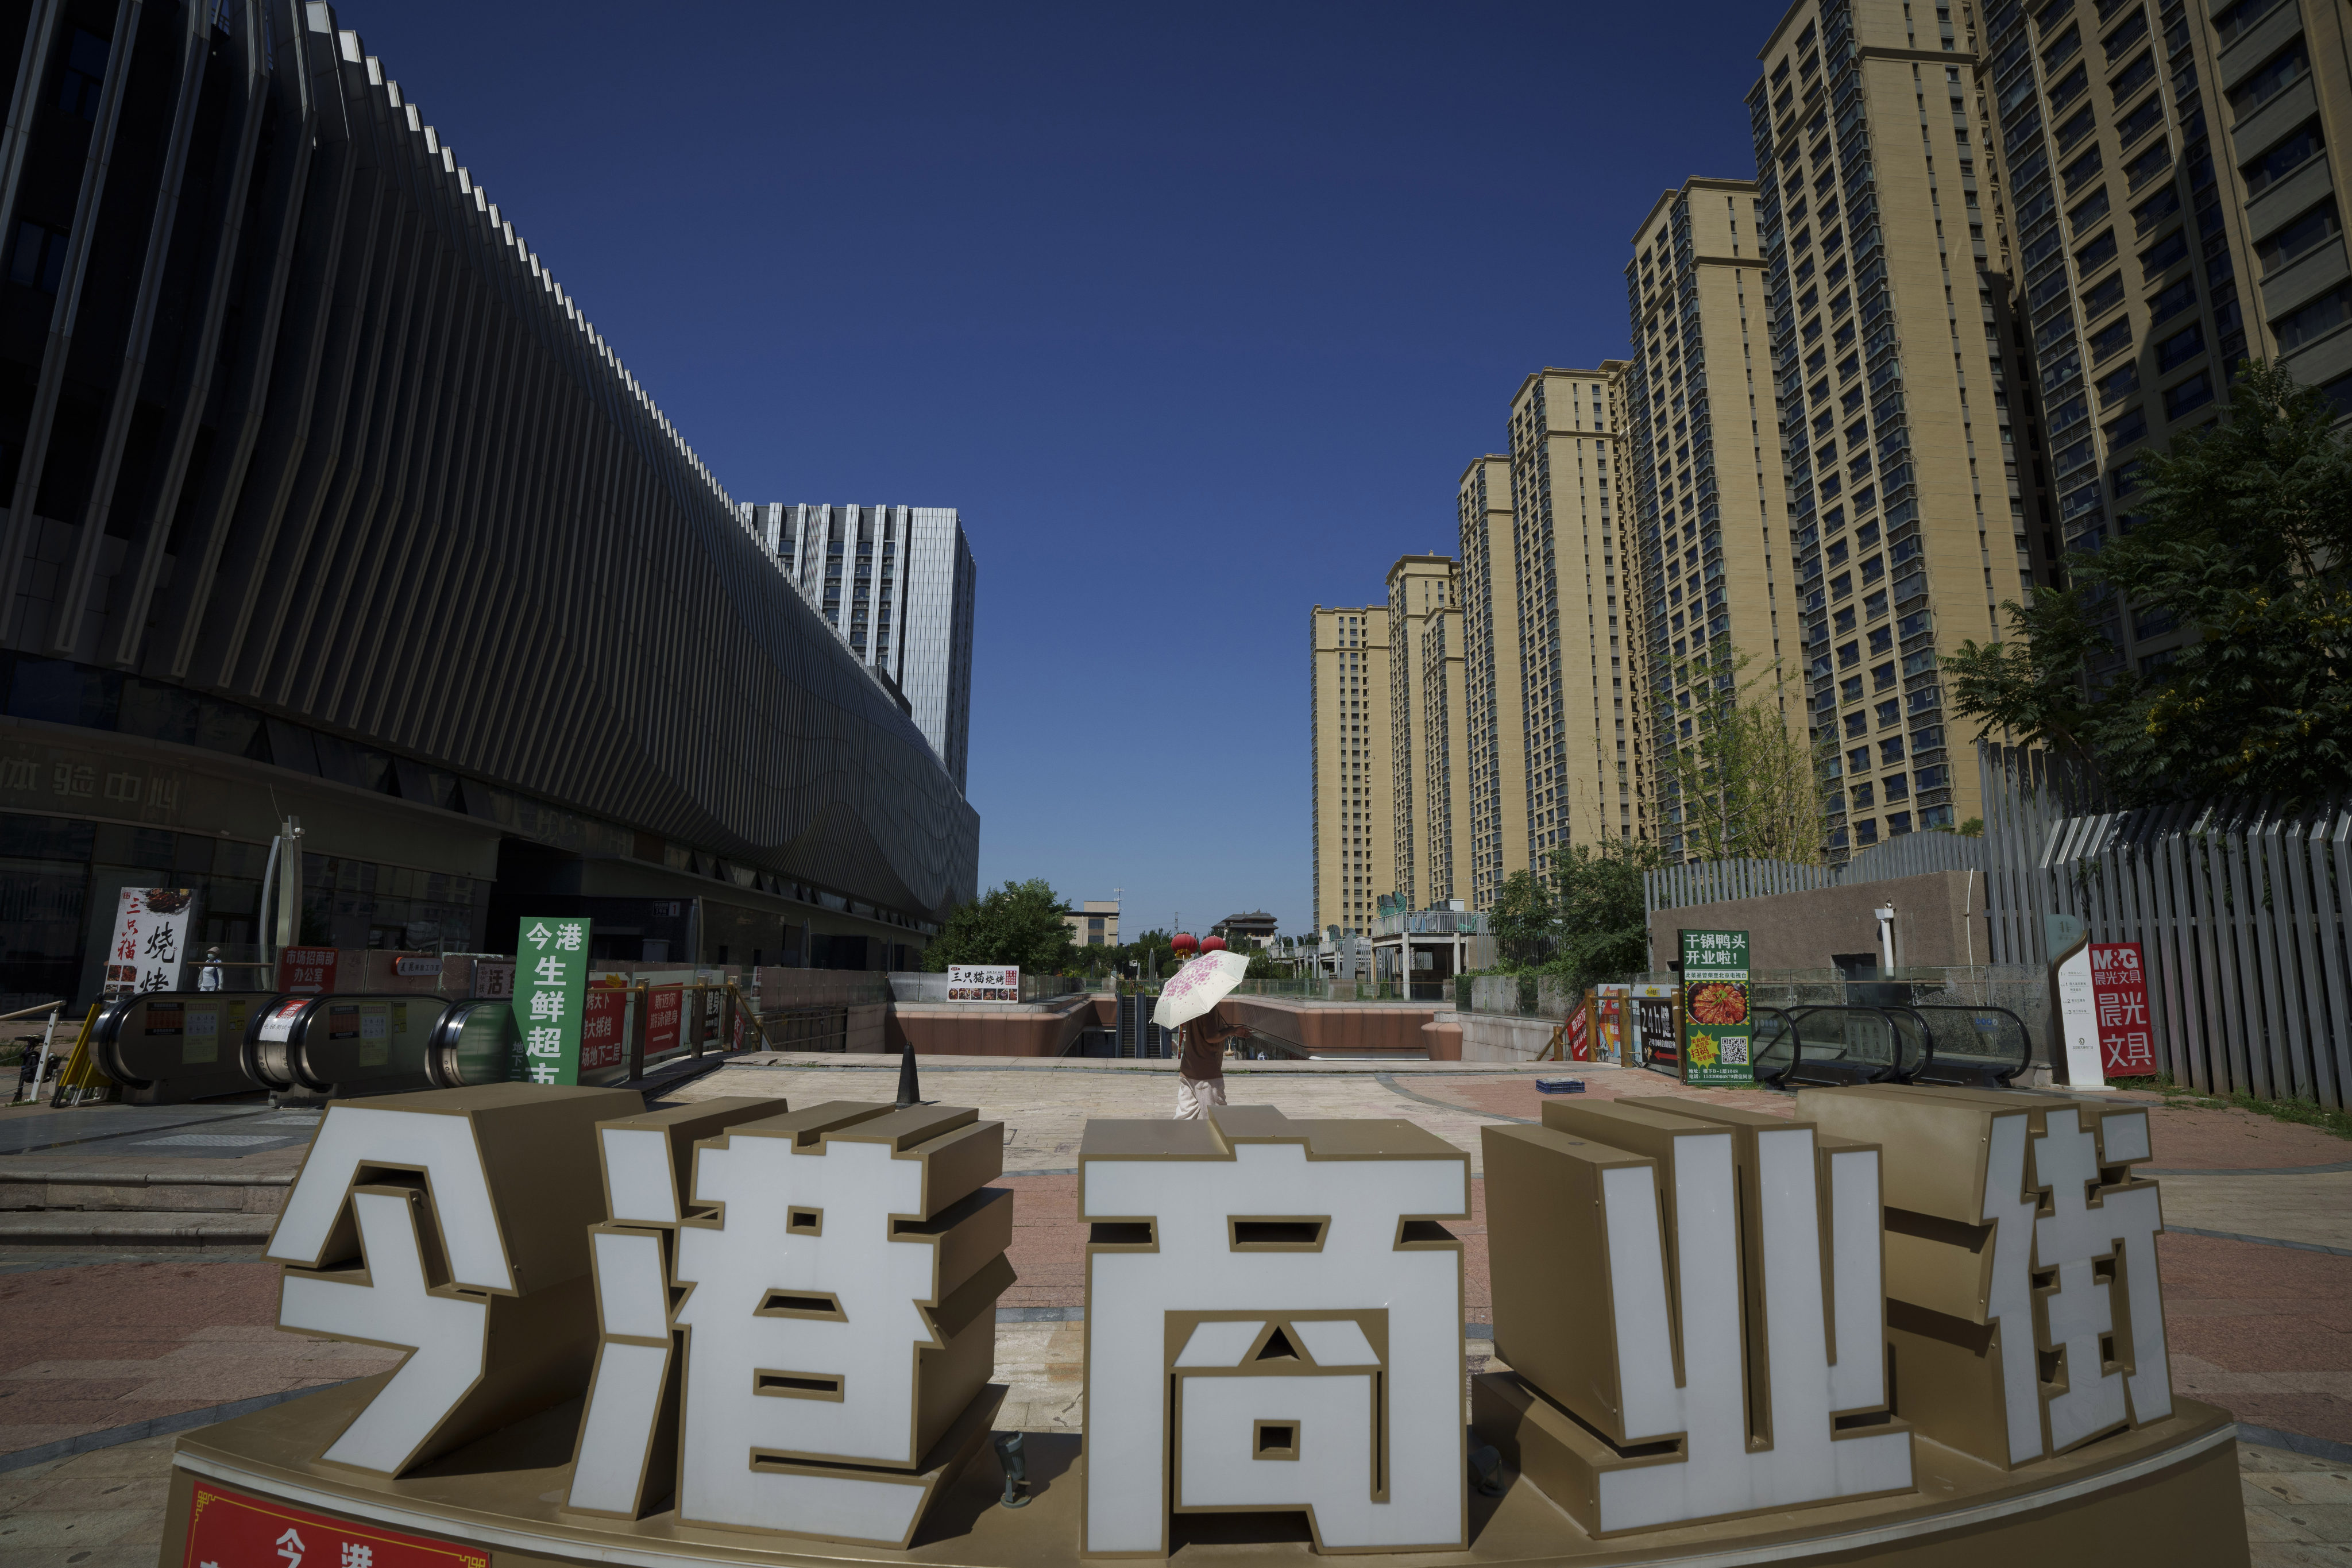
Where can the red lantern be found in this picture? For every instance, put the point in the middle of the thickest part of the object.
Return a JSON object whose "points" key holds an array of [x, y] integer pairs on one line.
{"points": [[1214, 944], [1185, 941]]}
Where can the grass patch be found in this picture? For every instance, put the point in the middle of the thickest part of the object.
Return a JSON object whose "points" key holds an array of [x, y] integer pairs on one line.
{"points": [[2300, 1112]]}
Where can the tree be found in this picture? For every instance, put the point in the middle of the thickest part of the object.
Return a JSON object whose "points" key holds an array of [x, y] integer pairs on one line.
{"points": [[2245, 532], [1600, 918], [1019, 923], [1744, 782], [1521, 919]]}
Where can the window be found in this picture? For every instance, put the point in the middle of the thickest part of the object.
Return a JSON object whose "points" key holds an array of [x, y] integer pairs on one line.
{"points": [[2103, 297], [2172, 302], [2050, 16], [2148, 165], [1856, 725], [1845, 621], [2131, 427], [1880, 640], [2289, 66], [2140, 121], [2095, 255], [2118, 385], [2238, 19], [1882, 676], [1895, 787], [1841, 585], [1836, 554], [1898, 823], [2179, 349], [2089, 213], [1936, 777], [2075, 129], [2323, 315], [2125, 37], [2314, 228], [2154, 622], [2081, 171], [2154, 211], [2135, 76], [1874, 569], [39, 259], [1849, 655], [1864, 833], [2297, 148], [2194, 392], [1890, 750], [2339, 392], [85, 75], [2165, 254], [1850, 689], [2069, 45], [2068, 90]]}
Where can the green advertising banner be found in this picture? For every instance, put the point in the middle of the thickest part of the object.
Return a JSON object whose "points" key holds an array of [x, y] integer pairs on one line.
{"points": [[551, 997], [1717, 1026]]}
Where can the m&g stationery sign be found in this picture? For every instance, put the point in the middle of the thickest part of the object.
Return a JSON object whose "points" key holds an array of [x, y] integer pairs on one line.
{"points": [[1716, 1028]]}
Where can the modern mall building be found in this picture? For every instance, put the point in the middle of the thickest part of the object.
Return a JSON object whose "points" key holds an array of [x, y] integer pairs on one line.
{"points": [[325, 499]]}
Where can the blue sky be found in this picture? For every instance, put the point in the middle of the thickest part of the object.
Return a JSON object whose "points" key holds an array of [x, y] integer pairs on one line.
{"points": [[1197, 312]]}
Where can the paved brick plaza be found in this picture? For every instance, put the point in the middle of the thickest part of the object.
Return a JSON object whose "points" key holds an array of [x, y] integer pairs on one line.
{"points": [[2255, 1326]]}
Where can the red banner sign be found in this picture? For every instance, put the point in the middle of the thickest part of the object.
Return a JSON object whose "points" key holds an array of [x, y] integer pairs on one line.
{"points": [[228, 1530], [602, 1041], [1579, 1037], [307, 970], [665, 1009], [2119, 993]]}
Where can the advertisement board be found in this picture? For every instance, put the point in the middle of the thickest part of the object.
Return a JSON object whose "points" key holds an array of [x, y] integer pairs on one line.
{"points": [[307, 970], [2081, 1062], [2120, 997], [1612, 1006], [1716, 1025], [551, 997], [983, 983], [150, 933], [1658, 1041], [603, 1037]]}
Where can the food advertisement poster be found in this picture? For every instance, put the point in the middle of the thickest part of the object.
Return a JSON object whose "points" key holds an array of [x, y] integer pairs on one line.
{"points": [[1716, 1028], [983, 983], [150, 928]]}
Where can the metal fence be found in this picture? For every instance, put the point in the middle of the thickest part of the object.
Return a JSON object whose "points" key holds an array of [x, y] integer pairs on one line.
{"points": [[2237, 906]]}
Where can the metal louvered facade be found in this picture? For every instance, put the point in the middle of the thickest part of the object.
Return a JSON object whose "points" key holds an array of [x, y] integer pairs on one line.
{"points": [[301, 444]]}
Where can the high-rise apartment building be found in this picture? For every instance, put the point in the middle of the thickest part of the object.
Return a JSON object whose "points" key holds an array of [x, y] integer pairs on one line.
{"points": [[1354, 824], [1709, 494], [2177, 212], [1901, 385], [1584, 774], [1495, 737], [896, 583], [1429, 792]]}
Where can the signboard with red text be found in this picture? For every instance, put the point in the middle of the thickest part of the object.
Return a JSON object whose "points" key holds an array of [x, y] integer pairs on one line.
{"points": [[307, 970], [229, 1528], [2119, 996]]}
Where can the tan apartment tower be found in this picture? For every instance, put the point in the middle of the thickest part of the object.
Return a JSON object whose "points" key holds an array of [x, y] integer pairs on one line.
{"points": [[1429, 792], [1495, 735], [1709, 494], [1354, 826], [1902, 386], [2177, 211], [1585, 775]]}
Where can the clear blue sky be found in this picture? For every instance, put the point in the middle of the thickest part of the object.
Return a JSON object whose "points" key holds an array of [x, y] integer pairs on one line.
{"points": [[1197, 312]]}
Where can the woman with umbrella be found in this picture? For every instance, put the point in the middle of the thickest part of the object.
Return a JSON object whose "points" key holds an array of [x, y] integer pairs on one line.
{"points": [[1187, 1006]]}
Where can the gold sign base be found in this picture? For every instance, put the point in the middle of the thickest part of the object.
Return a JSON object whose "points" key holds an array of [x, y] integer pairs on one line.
{"points": [[2167, 1493]]}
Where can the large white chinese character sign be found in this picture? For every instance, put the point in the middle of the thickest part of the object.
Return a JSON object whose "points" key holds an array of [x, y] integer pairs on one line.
{"points": [[1274, 1321], [1689, 1298], [837, 1270], [2025, 1317], [453, 1223]]}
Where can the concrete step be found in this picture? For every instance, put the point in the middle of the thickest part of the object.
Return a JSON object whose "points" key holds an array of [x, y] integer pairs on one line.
{"points": [[148, 1228], [54, 1189]]}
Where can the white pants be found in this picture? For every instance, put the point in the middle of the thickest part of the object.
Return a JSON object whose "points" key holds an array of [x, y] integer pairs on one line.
{"points": [[1195, 1095]]}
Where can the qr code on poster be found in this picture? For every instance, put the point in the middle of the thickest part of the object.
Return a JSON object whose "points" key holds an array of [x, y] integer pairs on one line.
{"points": [[1734, 1051]]}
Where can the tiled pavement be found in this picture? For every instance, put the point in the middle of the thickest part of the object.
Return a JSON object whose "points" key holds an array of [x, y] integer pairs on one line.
{"points": [[2253, 1325]]}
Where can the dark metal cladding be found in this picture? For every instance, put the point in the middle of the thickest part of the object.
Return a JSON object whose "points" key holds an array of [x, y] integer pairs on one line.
{"points": [[290, 416]]}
